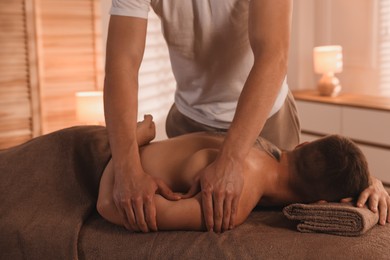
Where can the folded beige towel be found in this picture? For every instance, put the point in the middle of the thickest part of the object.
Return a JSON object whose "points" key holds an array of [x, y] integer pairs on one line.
{"points": [[341, 219]]}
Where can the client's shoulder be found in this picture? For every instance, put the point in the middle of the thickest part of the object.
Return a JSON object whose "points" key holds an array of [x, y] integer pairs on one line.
{"points": [[268, 147]]}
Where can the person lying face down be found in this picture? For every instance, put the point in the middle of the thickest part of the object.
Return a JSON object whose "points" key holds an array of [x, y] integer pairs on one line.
{"points": [[330, 168]]}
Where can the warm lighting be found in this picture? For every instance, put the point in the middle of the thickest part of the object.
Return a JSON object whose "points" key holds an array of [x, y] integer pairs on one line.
{"points": [[328, 60], [89, 107]]}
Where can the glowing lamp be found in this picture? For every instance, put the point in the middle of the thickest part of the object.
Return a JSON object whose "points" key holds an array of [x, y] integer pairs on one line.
{"points": [[328, 60]]}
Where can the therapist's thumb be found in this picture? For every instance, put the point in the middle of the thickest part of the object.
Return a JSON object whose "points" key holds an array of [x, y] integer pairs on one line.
{"points": [[165, 191], [195, 189]]}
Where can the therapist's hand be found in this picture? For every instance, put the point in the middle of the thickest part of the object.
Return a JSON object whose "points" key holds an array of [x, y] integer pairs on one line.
{"points": [[134, 199], [221, 183], [133, 195]]}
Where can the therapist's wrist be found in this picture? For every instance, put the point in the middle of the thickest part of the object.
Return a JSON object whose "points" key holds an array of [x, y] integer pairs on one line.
{"points": [[127, 160], [232, 152]]}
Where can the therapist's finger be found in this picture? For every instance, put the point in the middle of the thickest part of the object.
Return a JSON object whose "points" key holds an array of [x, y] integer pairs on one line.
{"points": [[227, 210], [233, 215], [122, 214], [195, 189], [122, 206], [138, 207], [218, 201], [150, 212], [165, 191], [129, 218], [207, 204]]}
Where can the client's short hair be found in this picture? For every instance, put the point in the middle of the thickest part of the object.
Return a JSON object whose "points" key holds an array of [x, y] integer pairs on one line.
{"points": [[330, 168]]}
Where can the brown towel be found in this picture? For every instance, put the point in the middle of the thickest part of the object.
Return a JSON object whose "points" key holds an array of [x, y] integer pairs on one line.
{"points": [[341, 219]]}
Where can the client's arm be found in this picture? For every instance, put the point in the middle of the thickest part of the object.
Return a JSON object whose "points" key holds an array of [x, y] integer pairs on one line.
{"points": [[171, 215], [185, 214]]}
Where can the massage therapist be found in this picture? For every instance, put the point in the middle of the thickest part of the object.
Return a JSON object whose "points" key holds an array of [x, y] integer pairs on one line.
{"points": [[229, 59]]}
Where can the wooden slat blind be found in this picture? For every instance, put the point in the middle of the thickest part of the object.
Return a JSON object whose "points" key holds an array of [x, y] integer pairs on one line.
{"points": [[15, 95], [49, 49], [67, 54]]}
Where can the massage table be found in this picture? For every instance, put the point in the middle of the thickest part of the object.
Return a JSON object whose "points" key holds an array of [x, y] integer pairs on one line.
{"points": [[48, 193]]}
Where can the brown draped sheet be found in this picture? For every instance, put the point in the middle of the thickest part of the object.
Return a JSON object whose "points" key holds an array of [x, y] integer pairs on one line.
{"points": [[48, 190]]}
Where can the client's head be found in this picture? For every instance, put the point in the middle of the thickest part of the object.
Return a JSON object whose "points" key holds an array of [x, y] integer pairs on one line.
{"points": [[330, 168]]}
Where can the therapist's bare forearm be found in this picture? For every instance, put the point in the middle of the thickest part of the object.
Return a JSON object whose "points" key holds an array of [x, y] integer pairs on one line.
{"points": [[254, 106], [125, 47], [270, 45], [121, 115]]}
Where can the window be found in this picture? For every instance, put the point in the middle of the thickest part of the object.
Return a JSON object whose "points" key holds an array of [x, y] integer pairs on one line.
{"points": [[362, 27]]}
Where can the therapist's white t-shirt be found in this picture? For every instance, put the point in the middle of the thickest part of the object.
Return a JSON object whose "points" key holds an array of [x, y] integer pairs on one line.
{"points": [[210, 53]]}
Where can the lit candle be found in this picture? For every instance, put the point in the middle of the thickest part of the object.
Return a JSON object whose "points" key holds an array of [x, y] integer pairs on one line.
{"points": [[89, 107]]}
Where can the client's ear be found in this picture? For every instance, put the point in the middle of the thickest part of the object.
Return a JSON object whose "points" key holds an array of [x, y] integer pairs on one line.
{"points": [[302, 144]]}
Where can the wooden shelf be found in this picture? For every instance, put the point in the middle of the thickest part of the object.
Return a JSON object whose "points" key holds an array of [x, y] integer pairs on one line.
{"points": [[346, 99]]}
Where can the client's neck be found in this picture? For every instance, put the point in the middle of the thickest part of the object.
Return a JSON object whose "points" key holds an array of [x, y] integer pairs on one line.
{"points": [[277, 186]]}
